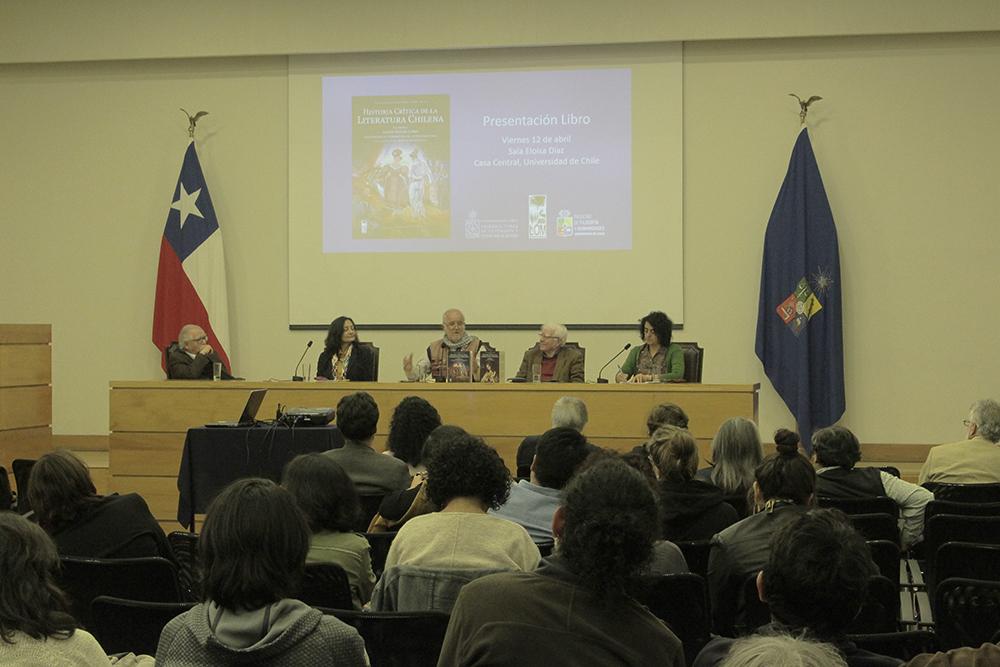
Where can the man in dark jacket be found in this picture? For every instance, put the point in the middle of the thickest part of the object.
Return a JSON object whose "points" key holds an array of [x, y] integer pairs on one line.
{"points": [[192, 357]]}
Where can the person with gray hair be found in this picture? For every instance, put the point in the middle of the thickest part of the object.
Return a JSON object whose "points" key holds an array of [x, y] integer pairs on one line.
{"points": [[551, 359], [736, 453], [975, 460], [782, 650], [434, 364], [191, 358], [568, 412]]}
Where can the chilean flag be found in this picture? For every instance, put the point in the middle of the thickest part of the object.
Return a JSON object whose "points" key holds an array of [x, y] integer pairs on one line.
{"points": [[191, 281]]}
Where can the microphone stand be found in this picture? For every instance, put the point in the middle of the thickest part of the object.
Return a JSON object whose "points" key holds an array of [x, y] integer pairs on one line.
{"points": [[601, 380]]}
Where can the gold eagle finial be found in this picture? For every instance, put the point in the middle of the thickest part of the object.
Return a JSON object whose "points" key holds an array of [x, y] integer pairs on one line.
{"points": [[804, 106], [193, 120]]}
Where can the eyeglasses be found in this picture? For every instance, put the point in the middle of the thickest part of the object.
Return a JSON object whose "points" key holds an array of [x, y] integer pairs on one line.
{"points": [[544, 337], [966, 423], [200, 339]]}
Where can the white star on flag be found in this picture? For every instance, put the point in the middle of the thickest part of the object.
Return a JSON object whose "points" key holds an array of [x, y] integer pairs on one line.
{"points": [[187, 204]]}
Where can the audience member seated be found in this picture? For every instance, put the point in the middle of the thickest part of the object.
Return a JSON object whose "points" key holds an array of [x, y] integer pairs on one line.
{"points": [[371, 472], [815, 581], [82, 523], [736, 453], [253, 550], [975, 460], [326, 495], [691, 509], [784, 484], [192, 357], [532, 503], [342, 357], [573, 610], [435, 361], [554, 361], [781, 650], [657, 359], [412, 421], [836, 450], [567, 412], [987, 655], [399, 507], [36, 627]]}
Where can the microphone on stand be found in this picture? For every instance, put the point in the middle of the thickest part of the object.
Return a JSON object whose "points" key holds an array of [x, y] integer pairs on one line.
{"points": [[601, 380], [295, 374]]}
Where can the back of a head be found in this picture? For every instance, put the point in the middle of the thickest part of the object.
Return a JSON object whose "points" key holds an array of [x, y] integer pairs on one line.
{"points": [[357, 416], [986, 415], [60, 489], [666, 414], [569, 412], [611, 522], [816, 577], [253, 545], [439, 436], [559, 453], [323, 491], [786, 474], [30, 601], [775, 650], [412, 421], [736, 452], [674, 453], [836, 446], [466, 467]]}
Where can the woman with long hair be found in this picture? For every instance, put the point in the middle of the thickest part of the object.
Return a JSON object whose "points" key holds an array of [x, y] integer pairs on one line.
{"points": [[343, 358]]}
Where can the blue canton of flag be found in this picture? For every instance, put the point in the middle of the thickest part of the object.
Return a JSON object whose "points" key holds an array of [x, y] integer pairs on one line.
{"points": [[799, 333]]}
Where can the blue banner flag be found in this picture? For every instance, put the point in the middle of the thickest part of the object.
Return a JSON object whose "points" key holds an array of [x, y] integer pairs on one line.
{"points": [[799, 339]]}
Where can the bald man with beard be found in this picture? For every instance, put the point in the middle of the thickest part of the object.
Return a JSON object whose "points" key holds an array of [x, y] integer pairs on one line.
{"points": [[435, 364]]}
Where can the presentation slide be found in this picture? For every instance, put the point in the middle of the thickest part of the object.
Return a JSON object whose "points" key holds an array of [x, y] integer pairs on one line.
{"points": [[520, 185], [488, 161]]}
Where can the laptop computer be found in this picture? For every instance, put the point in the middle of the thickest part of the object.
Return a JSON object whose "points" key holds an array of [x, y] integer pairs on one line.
{"points": [[249, 416]]}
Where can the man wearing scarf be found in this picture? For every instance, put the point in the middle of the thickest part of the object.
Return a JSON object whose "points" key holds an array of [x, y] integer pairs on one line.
{"points": [[436, 362]]}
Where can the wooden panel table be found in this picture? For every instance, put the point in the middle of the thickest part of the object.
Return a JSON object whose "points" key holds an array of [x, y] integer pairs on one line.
{"points": [[25, 392], [148, 420]]}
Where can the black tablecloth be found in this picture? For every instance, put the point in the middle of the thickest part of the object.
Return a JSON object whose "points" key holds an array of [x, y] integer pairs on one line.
{"points": [[214, 457]]}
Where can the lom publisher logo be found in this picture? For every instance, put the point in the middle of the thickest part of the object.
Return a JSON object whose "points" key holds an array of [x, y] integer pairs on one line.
{"points": [[537, 217]]}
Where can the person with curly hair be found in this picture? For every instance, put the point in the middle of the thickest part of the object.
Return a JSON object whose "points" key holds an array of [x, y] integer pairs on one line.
{"points": [[412, 421], [36, 627], [575, 608], [327, 497], [657, 359], [465, 478], [82, 523]]}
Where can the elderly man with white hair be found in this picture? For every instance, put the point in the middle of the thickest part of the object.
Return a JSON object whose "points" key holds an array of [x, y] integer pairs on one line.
{"points": [[554, 361], [435, 363], [975, 460], [192, 357]]}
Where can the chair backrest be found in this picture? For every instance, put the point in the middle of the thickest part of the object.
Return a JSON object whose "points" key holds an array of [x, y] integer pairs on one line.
{"points": [[185, 548], [166, 356], [696, 555], [965, 559], [370, 503], [6, 497], [395, 639], [22, 473], [680, 601], [325, 585], [148, 579], [876, 526], [694, 360], [966, 611], [901, 645], [965, 493], [123, 626], [378, 547], [576, 346], [374, 351], [870, 505], [885, 554], [956, 528], [738, 502], [935, 507]]}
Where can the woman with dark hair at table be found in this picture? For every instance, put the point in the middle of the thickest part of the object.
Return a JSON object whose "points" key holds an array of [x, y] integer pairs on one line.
{"points": [[253, 549], [82, 523], [657, 359], [343, 358], [326, 495]]}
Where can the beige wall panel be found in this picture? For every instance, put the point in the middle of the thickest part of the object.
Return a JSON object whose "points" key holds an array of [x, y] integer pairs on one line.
{"points": [[146, 453], [25, 365], [25, 334], [102, 480], [81, 443], [160, 493], [25, 407], [28, 443]]}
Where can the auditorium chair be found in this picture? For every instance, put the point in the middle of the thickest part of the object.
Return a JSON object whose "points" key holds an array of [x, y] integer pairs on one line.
{"points": [[185, 548], [576, 346], [122, 626], [370, 503], [696, 554], [166, 356], [378, 547], [151, 579], [374, 351], [965, 493], [967, 560], [956, 528], [325, 585], [694, 360], [966, 611], [22, 473], [885, 555], [869, 505], [398, 639], [680, 601], [901, 645], [876, 526], [936, 507]]}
